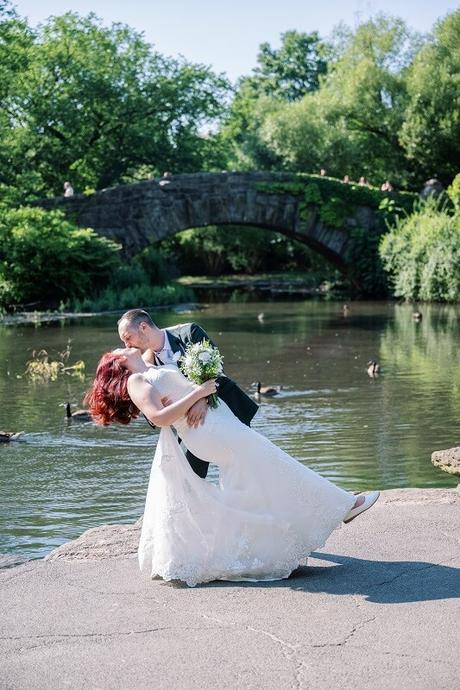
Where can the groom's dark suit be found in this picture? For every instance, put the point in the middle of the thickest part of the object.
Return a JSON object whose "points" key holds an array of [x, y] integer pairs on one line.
{"points": [[240, 404]]}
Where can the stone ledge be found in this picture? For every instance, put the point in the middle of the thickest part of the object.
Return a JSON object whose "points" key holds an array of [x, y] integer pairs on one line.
{"points": [[100, 543], [121, 541], [376, 608]]}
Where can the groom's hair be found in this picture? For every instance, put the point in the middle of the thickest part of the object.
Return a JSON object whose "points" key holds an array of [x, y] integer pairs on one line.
{"points": [[136, 316]]}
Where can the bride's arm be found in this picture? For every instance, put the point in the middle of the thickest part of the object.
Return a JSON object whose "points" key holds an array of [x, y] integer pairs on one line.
{"points": [[146, 398]]}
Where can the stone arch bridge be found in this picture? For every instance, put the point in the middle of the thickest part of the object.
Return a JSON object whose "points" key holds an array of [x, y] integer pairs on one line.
{"points": [[137, 215]]}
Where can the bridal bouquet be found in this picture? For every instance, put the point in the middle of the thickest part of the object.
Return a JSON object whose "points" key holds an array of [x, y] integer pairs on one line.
{"points": [[201, 362]]}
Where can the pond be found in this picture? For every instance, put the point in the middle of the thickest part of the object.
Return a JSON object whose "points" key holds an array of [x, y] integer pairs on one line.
{"points": [[360, 432]]}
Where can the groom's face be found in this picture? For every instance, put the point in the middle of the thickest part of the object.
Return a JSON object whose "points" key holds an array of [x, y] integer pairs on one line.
{"points": [[133, 336]]}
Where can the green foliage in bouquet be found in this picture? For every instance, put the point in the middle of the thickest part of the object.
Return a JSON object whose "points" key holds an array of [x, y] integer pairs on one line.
{"points": [[201, 362]]}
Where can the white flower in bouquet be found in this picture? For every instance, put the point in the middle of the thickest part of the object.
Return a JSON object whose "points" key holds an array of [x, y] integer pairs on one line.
{"points": [[200, 363]]}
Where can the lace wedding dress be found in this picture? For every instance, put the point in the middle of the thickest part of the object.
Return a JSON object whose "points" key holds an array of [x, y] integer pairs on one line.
{"points": [[260, 523]]}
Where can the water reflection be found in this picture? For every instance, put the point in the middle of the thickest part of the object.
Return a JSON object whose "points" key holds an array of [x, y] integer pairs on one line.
{"points": [[359, 432]]}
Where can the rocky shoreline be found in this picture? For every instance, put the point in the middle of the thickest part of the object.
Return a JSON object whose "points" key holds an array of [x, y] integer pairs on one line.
{"points": [[36, 317]]}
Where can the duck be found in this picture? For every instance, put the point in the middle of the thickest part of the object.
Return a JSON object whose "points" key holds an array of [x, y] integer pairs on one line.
{"points": [[7, 436], [373, 368], [417, 316], [78, 415], [266, 391], [261, 317], [345, 310]]}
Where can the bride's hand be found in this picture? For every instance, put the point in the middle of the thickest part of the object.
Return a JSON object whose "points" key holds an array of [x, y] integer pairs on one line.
{"points": [[208, 388]]}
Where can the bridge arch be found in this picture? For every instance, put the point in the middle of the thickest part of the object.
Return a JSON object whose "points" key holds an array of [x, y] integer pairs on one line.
{"points": [[137, 215]]}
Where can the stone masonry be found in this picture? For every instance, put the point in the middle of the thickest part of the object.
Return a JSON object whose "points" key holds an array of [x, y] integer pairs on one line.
{"points": [[137, 215]]}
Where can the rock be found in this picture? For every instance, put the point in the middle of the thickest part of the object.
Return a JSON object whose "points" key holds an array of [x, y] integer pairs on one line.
{"points": [[9, 560], [100, 543], [431, 187], [447, 460]]}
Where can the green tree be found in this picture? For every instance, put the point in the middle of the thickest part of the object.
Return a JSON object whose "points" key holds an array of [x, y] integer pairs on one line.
{"points": [[292, 70], [246, 148], [281, 75], [351, 124], [96, 104], [16, 44], [430, 133], [365, 94]]}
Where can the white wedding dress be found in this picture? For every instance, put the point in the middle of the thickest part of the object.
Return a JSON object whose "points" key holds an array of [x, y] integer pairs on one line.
{"points": [[260, 523]]}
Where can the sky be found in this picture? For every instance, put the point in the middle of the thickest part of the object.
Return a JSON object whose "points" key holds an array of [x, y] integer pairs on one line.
{"points": [[226, 35]]}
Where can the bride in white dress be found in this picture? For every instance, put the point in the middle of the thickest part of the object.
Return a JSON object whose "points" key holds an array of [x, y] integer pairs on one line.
{"points": [[268, 511]]}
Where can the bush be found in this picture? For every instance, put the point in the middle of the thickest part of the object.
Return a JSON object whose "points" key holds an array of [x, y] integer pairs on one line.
{"points": [[46, 259], [422, 255], [145, 281], [156, 265], [366, 275], [454, 192], [133, 296]]}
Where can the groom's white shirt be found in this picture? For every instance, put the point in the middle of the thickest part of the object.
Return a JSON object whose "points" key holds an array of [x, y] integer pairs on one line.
{"points": [[166, 354]]}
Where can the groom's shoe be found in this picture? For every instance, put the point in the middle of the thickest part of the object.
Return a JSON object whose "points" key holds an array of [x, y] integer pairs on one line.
{"points": [[369, 500]]}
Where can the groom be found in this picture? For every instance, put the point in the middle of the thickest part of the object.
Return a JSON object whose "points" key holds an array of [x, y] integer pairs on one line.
{"points": [[162, 346]]}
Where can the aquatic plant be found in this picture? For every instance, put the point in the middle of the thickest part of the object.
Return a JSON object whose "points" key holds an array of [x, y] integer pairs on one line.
{"points": [[41, 369]]}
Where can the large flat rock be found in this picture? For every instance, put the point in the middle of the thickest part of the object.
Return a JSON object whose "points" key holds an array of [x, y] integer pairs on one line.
{"points": [[100, 543], [447, 460], [377, 607]]}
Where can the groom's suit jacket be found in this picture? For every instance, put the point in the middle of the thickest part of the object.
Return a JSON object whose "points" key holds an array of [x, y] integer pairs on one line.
{"points": [[240, 404]]}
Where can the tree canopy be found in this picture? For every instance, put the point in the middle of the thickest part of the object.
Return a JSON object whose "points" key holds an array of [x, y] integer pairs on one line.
{"points": [[382, 102], [98, 104]]}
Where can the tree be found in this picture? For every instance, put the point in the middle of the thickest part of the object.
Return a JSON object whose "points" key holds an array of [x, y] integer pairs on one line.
{"points": [[365, 93], [431, 130], [350, 124], [281, 76], [294, 69], [96, 104], [16, 42]]}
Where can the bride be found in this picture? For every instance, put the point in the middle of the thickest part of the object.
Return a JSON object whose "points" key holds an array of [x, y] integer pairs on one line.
{"points": [[268, 511]]}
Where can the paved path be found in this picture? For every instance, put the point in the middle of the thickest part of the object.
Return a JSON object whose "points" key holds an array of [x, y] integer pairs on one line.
{"points": [[377, 608]]}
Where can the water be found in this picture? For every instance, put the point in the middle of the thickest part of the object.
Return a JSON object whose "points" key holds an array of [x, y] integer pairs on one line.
{"points": [[360, 432]]}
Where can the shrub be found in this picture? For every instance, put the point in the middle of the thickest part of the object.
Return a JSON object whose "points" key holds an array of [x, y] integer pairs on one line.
{"points": [[112, 299], [454, 192], [366, 274], [46, 259], [156, 265], [422, 255]]}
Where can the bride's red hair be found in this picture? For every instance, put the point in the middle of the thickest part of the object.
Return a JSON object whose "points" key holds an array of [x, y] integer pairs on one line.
{"points": [[108, 400]]}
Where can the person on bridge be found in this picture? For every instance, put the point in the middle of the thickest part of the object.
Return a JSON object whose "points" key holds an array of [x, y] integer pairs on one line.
{"points": [[68, 189]]}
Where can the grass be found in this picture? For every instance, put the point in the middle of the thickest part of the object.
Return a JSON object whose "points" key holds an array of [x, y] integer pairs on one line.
{"points": [[111, 299]]}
